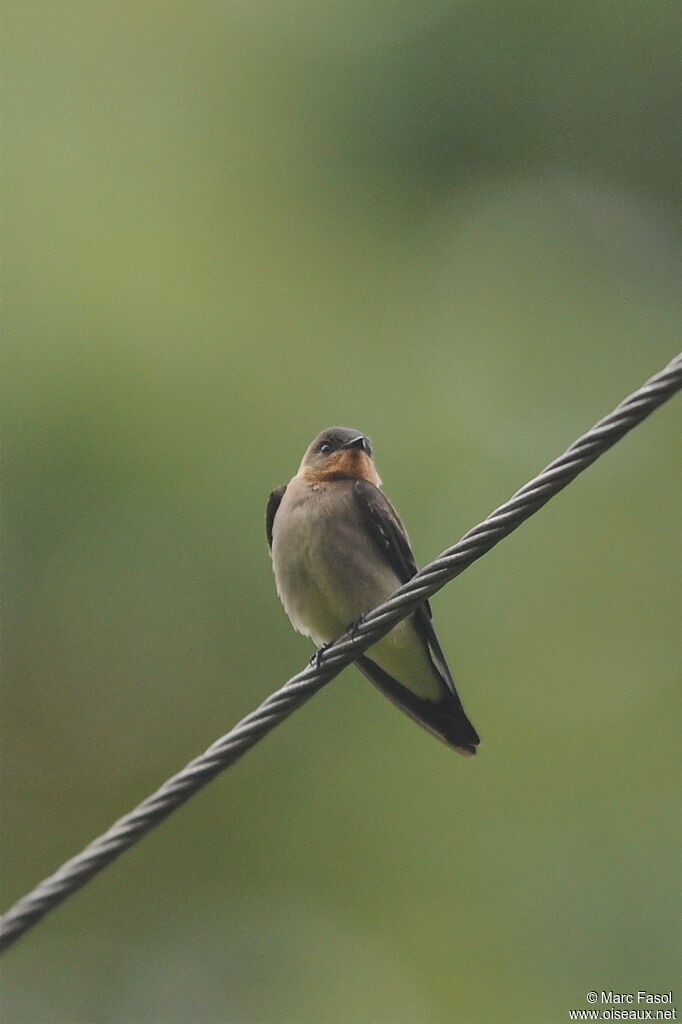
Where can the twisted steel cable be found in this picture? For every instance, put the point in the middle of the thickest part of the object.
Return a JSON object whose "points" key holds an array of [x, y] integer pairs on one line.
{"points": [[226, 750]]}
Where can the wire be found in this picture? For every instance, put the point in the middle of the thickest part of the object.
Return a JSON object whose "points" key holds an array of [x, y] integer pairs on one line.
{"points": [[301, 687]]}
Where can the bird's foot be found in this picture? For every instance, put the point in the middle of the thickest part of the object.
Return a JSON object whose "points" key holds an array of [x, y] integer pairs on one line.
{"points": [[353, 627], [316, 659]]}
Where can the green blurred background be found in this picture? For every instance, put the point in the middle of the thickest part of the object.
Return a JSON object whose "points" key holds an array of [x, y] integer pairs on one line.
{"points": [[228, 225]]}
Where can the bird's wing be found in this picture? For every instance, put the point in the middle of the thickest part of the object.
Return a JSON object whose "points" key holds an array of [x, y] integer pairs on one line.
{"points": [[271, 510], [384, 524]]}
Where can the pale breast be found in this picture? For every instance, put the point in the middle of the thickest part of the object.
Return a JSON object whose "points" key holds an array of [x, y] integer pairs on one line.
{"points": [[327, 569]]}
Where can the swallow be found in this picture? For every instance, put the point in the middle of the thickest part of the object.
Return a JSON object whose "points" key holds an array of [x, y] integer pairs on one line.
{"points": [[338, 550]]}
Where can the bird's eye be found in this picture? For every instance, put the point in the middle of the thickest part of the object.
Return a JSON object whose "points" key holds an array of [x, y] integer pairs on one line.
{"points": [[325, 448]]}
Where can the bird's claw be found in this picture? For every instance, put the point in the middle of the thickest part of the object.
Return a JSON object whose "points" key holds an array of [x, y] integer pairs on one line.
{"points": [[353, 627], [316, 659]]}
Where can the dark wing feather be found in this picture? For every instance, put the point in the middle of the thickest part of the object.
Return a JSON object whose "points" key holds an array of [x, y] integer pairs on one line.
{"points": [[271, 510], [390, 535], [386, 527]]}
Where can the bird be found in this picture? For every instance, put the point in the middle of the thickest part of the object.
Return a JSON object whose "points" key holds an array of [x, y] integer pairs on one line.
{"points": [[339, 549]]}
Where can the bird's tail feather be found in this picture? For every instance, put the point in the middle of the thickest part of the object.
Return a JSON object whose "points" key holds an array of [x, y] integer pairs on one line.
{"points": [[444, 718]]}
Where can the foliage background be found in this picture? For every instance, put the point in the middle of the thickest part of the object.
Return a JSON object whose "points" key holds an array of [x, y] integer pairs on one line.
{"points": [[227, 225]]}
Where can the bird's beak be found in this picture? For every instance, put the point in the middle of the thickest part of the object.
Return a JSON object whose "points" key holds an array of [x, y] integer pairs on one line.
{"points": [[357, 442], [360, 442]]}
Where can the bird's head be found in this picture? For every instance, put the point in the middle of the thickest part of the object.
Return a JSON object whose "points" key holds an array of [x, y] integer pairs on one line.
{"points": [[339, 453]]}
